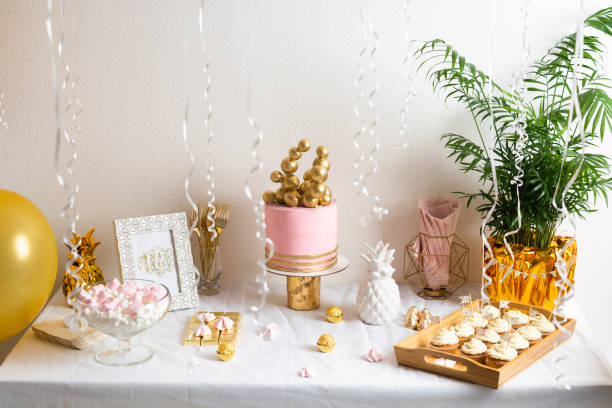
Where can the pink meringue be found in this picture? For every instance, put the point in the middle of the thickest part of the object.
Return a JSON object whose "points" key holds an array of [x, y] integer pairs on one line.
{"points": [[374, 355], [201, 331], [305, 373], [224, 323], [270, 332], [207, 317]]}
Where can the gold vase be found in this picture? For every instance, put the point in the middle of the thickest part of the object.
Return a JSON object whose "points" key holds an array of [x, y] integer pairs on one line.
{"points": [[532, 280]]}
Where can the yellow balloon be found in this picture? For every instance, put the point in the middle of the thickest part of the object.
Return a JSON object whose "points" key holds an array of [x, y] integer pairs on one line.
{"points": [[28, 262]]}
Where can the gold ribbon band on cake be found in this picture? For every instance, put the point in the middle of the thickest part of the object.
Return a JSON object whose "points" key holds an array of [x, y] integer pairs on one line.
{"points": [[532, 280], [303, 263]]}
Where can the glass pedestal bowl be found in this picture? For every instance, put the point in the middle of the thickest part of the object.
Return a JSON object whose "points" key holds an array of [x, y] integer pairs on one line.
{"points": [[122, 310]]}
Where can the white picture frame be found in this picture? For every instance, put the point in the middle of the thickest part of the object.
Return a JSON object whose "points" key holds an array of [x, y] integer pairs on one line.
{"points": [[157, 248]]}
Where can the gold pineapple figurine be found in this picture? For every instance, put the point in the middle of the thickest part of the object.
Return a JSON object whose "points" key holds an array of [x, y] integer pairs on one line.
{"points": [[90, 272]]}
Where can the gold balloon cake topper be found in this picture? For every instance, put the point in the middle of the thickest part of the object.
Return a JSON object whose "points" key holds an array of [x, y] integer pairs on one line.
{"points": [[312, 191]]}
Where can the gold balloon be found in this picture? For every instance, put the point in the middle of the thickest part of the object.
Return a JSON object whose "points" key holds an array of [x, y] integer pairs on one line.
{"points": [[326, 200], [28, 255], [291, 198], [276, 176], [319, 174], [291, 182], [317, 190], [309, 201], [280, 194], [305, 186], [322, 151], [307, 175], [289, 166], [321, 161], [269, 197], [304, 145], [295, 154]]}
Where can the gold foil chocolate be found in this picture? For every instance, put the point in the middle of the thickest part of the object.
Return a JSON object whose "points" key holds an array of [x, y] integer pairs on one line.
{"points": [[226, 351], [534, 282], [334, 314], [326, 343], [412, 318]]}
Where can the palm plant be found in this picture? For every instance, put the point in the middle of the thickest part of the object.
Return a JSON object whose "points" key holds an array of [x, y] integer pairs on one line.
{"points": [[547, 104]]}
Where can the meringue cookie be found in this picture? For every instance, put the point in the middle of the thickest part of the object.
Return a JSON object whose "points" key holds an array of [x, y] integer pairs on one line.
{"points": [[270, 332], [224, 323], [374, 355], [304, 373], [207, 317], [201, 331]]}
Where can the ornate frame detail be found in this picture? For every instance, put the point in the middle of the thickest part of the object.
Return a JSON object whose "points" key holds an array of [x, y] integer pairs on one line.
{"points": [[176, 223]]}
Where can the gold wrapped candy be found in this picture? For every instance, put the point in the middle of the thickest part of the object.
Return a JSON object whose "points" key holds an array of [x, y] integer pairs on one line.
{"points": [[226, 351], [334, 314], [532, 280], [293, 193], [326, 343]]}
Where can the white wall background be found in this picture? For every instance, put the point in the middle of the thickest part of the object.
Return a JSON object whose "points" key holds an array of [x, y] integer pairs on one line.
{"points": [[139, 62]]}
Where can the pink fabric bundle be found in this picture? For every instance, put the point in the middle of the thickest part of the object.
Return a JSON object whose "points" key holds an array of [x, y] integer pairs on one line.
{"points": [[438, 221]]}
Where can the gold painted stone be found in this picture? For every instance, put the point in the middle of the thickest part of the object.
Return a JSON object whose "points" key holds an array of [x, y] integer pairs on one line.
{"points": [[326, 343], [269, 197], [226, 351], [276, 176], [295, 154], [322, 151], [289, 166], [334, 314], [304, 145]]}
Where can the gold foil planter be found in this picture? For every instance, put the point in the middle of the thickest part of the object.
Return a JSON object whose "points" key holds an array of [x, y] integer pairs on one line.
{"points": [[532, 280], [455, 263]]}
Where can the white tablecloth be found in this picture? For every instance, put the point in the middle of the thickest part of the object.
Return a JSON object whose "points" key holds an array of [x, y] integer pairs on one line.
{"points": [[265, 373]]}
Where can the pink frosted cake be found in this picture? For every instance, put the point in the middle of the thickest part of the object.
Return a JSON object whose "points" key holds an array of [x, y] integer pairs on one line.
{"points": [[305, 239]]}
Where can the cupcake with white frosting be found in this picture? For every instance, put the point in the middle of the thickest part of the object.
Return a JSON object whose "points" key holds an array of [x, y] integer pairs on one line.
{"points": [[488, 337], [517, 318], [445, 340], [500, 354], [490, 312], [464, 331], [476, 320], [500, 325], [530, 333], [543, 325], [518, 342], [475, 349]]}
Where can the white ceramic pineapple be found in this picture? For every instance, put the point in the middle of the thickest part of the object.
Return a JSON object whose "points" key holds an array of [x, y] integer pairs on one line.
{"points": [[378, 298]]}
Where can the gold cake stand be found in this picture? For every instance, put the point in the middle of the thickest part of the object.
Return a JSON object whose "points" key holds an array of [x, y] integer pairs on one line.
{"points": [[304, 288]]}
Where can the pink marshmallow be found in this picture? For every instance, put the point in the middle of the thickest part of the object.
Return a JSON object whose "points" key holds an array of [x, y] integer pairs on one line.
{"points": [[114, 285], [95, 290], [136, 304], [110, 304], [129, 288]]}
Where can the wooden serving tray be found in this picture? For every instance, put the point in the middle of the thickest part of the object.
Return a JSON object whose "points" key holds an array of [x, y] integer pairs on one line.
{"points": [[415, 351]]}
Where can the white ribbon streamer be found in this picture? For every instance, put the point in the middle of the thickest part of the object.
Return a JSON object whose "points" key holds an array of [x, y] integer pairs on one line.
{"points": [[371, 44], [408, 65], [486, 280], [210, 170], [71, 133], [520, 127]]}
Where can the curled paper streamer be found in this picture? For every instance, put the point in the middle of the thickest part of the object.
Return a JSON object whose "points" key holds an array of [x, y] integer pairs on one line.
{"points": [[368, 51], [187, 183], [487, 280], [564, 285], [70, 133], [210, 170], [408, 65], [520, 125], [258, 208]]}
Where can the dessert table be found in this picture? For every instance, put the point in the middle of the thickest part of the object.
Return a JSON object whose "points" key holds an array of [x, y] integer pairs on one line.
{"points": [[265, 373]]}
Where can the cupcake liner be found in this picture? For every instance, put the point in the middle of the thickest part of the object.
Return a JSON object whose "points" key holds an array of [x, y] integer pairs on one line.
{"points": [[449, 348], [463, 340], [479, 358], [495, 363]]}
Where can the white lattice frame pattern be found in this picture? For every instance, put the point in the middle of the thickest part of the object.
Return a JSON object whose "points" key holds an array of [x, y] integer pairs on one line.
{"points": [[176, 223]]}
